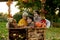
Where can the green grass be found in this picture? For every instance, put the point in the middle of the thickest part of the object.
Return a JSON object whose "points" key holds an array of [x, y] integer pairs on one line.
{"points": [[51, 33], [3, 30]]}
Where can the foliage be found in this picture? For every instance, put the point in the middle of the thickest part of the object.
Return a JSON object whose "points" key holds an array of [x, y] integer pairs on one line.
{"points": [[17, 16], [31, 4], [50, 6], [36, 4], [3, 31], [3, 17], [52, 33]]}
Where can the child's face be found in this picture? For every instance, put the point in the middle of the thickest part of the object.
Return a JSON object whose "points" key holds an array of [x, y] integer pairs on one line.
{"points": [[29, 20], [36, 15]]}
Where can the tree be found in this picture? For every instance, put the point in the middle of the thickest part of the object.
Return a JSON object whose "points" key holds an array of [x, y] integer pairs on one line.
{"points": [[34, 4], [17, 16], [3, 17], [50, 7]]}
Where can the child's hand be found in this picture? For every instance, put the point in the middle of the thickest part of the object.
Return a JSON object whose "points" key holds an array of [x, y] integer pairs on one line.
{"points": [[43, 25]]}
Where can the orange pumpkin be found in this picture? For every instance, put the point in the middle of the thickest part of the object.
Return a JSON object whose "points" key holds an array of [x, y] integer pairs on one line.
{"points": [[37, 24]]}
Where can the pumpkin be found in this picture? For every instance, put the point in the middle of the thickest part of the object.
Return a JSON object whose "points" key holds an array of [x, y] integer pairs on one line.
{"points": [[37, 24]]}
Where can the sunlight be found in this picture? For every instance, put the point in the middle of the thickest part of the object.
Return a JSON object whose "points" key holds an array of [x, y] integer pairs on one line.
{"points": [[4, 8]]}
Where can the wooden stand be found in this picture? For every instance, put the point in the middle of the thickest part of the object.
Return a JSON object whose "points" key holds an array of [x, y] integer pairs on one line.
{"points": [[27, 34]]}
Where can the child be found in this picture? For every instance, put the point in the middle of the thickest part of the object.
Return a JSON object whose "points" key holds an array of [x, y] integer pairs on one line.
{"points": [[45, 22], [36, 16], [23, 21], [30, 22]]}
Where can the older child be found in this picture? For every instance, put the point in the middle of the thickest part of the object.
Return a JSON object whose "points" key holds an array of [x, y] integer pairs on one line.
{"points": [[37, 18], [36, 15]]}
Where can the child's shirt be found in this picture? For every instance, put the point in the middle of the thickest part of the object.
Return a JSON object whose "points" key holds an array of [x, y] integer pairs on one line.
{"points": [[22, 22], [31, 24]]}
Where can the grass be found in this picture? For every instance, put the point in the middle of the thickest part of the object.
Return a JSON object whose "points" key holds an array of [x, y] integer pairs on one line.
{"points": [[51, 33], [3, 30]]}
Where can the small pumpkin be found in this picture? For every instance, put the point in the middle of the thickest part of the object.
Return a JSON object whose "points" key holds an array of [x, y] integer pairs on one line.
{"points": [[37, 24]]}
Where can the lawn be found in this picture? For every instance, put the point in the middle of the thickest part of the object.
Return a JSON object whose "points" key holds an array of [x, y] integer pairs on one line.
{"points": [[3, 30], [51, 33]]}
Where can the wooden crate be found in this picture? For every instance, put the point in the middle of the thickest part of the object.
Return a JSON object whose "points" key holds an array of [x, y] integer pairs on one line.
{"points": [[27, 34], [17, 34], [36, 34]]}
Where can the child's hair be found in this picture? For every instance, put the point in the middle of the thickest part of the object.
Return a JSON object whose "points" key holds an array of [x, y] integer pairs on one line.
{"points": [[37, 12], [31, 18]]}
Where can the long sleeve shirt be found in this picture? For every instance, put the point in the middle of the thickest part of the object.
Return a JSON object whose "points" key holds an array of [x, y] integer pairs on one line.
{"points": [[47, 23]]}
